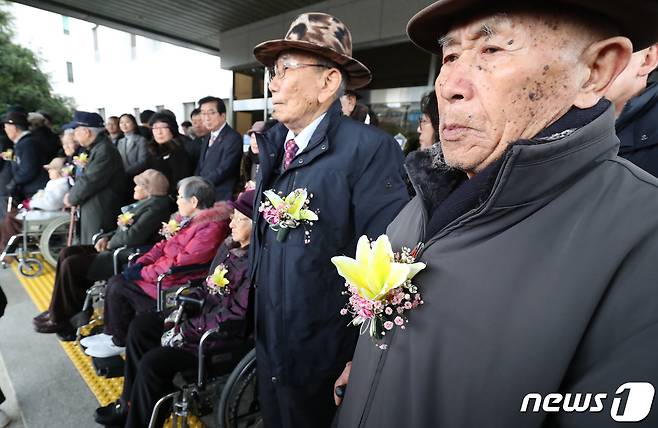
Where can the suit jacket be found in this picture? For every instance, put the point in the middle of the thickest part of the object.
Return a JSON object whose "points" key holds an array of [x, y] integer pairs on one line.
{"points": [[220, 164]]}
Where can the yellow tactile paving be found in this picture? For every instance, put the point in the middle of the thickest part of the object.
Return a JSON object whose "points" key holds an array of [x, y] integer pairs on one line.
{"points": [[40, 288]]}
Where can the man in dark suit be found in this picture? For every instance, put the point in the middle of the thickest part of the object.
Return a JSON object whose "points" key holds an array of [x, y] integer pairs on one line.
{"points": [[221, 149], [27, 161], [355, 175]]}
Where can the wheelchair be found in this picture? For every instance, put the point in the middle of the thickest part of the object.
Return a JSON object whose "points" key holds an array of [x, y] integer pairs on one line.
{"points": [[225, 381], [46, 235]]}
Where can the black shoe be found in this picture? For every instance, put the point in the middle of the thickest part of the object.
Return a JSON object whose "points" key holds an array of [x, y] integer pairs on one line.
{"points": [[112, 414], [67, 334]]}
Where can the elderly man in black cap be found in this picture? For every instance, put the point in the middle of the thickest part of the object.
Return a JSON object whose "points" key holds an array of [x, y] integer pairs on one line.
{"points": [[349, 177], [539, 309], [28, 175], [99, 190]]}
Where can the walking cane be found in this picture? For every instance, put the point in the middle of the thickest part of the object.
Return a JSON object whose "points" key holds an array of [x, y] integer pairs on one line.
{"points": [[69, 241]]}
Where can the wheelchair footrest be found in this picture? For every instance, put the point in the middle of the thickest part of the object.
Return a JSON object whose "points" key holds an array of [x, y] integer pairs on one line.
{"points": [[109, 367]]}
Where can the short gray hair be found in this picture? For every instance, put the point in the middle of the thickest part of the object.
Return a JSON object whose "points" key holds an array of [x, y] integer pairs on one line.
{"points": [[200, 188]]}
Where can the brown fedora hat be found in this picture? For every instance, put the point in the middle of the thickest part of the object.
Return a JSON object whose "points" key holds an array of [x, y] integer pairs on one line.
{"points": [[637, 19], [323, 35]]}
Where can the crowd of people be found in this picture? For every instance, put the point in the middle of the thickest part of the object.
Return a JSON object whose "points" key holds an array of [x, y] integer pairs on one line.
{"points": [[536, 237]]}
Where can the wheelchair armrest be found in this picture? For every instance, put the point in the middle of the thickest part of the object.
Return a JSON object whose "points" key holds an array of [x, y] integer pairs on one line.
{"points": [[137, 251], [115, 258], [173, 271], [206, 335], [189, 268], [97, 236]]}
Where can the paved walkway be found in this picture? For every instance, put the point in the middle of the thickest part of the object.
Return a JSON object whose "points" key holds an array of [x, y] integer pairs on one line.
{"points": [[43, 388]]}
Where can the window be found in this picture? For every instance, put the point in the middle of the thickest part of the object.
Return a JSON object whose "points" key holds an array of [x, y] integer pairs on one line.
{"points": [[69, 71], [65, 25], [187, 110], [133, 46], [97, 52]]}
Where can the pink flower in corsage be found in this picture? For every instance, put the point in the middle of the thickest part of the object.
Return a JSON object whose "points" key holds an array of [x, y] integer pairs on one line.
{"points": [[67, 171], [81, 160], [379, 286], [285, 213], [125, 220], [170, 228], [217, 282]]}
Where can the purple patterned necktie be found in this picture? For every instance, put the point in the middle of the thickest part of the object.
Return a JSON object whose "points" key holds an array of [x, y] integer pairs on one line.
{"points": [[291, 151]]}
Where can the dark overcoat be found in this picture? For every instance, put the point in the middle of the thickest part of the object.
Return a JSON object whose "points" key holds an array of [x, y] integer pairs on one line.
{"points": [[355, 174], [220, 164], [547, 286], [637, 128], [100, 189]]}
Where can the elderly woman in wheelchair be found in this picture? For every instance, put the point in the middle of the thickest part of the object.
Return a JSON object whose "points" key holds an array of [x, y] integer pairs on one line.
{"points": [[80, 265], [159, 347], [190, 239]]}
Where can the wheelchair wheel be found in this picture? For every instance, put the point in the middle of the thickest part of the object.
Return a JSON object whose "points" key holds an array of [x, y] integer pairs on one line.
{"points": [[53, 239], [30, 267], [238, 402]]}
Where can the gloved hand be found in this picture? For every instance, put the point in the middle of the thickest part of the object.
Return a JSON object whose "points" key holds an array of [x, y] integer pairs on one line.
{"points": [[134, 272]]}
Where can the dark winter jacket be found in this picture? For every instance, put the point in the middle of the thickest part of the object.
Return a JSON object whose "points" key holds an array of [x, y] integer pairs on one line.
{"points": [[354, 173], [218, 309], [149, 215], [27, 169], [220, 164], [535, 289], [637, 128], [171, 160], [99, 189], [194, 244]]}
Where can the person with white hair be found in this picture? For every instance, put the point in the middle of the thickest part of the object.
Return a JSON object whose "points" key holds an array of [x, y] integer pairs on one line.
{"points": [[99, 189]]}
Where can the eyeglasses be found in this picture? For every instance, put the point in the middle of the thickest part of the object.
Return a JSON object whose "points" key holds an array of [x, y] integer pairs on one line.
{"points": [[208, 112], [280, 70], [155, 128]]}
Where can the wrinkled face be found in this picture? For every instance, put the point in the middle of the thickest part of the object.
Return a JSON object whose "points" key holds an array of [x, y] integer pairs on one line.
{"points": [[197, 125], [240, 228], [347, 104], [295, 95], [140, 193], [186, 207], [426, 132], [112, 126], [126, 125], [504, 78], [212, 119], [69, 145], [83, 136], [161, 132]]}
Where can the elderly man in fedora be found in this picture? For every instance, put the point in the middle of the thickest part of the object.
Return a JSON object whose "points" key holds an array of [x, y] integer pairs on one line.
{"points": [[539, 309], [348, 178], [100, 189]]}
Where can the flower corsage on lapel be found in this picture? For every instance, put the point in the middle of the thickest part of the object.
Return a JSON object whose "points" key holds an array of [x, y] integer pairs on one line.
{"points": [[217, 282], [81, 160], [173, 226], [125, 220], [285, 213], [379, 286]]}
